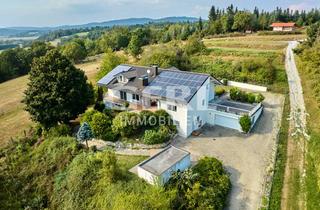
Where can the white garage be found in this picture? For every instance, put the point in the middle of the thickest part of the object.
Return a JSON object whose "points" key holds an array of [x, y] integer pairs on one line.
{"points": [[227, 121], [158, 169]]}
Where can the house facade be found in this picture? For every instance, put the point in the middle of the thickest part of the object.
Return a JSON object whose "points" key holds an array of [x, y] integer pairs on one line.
{"points": [[188, 97], [283, 26]]}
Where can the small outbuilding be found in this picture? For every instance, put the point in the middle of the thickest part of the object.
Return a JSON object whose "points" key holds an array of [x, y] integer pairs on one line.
{"points": [[283, 26], [158, 169]]}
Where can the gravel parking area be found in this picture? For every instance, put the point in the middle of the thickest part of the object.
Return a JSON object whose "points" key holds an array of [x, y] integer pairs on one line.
{"points": [[246, 157]]}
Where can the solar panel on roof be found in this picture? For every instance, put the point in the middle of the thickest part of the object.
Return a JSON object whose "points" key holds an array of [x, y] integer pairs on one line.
{"points": [[175, 85], [110, 76]]}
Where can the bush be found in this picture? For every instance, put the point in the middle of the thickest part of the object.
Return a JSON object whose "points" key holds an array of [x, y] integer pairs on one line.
{"points": [[100, 124], [219, 91], [157, 136], [59, 131], [163, 115], [251, 98], [242, 96], [99, 106], [28, 171], [148, 117], [125, 124], [245, 123], [205, 186], [194, 45], [259, 98], [75, 185]]}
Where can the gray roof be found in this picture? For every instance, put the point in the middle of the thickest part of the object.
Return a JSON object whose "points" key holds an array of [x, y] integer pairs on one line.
{"points": [[111, 75], [170, 83], [164, 160], [176, 85], [133, 73]]}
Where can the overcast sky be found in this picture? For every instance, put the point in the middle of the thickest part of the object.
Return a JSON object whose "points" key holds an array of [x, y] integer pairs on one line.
{"points": [[63, 12]]}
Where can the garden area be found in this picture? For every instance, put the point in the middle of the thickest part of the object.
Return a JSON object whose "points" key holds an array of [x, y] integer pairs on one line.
{"points": [[145, 127], [59, 173]]}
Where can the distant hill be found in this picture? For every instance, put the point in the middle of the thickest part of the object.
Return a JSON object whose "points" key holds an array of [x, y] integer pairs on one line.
{"points": [[13, 31]]}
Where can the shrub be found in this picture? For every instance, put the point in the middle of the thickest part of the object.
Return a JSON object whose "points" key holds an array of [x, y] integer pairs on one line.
{"points": [[88, 115], [157, 137], [259, 98], [99, 106], [163, 115], [205, 186], [224, 81], [251, 98], [245, 123], [101, 126], [148, 116], [27, 172], [238, 95], [60, 130], [125, 124], [194, 45], [219, 91]]}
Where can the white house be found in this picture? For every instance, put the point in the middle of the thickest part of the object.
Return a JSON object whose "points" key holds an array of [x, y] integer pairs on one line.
{"points": [[187, 96], [158, 169], [283, 26]]}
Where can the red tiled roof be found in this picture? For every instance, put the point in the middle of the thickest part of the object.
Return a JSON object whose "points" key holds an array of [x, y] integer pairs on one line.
{"points": [[283, 24]]}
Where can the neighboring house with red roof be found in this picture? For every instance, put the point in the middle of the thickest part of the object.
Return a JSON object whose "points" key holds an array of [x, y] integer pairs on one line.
{"points": [[283, 26]]}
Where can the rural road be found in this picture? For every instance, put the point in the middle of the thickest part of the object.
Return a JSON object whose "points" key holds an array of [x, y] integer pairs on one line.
{"points": [[297, 130], [298, 110]]}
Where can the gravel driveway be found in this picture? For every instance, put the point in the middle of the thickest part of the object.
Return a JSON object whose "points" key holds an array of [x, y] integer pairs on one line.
{"points": [[247, 158]]}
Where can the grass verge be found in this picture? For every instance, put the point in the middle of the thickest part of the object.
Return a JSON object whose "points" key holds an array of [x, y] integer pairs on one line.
{"points": [[312, 182], [281, 157]]}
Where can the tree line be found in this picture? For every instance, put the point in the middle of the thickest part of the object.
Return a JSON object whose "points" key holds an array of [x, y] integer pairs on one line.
{"points": [[231, 19]]}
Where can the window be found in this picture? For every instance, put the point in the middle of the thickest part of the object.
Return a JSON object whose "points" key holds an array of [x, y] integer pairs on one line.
{"points": [[135, 97], [172, 108], [123, 95], [121, 78], [203, 102], [176, 123]]}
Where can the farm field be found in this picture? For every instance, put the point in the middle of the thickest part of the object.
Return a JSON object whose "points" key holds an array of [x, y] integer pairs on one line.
{"points": [[13, 119]]}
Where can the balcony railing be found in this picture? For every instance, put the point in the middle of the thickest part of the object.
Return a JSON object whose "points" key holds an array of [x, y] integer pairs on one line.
{"points": [[228, 109]]}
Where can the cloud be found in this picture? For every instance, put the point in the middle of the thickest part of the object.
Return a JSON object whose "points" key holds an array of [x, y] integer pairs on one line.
{"points": [[306, 5], [199, 10]]}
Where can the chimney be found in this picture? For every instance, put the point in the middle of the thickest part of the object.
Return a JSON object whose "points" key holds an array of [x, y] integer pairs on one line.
{"points": [[144, 80], [156, 70]]}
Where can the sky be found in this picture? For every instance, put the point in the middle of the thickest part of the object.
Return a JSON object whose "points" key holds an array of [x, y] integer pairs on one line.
{"points": [[66, 12]]}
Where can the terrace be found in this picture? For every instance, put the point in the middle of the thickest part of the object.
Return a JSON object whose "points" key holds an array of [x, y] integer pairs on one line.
{"points": [[234, 107]]}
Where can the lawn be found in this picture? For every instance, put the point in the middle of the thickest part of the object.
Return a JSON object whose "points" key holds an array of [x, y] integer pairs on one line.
{"points": [[13, 119]]}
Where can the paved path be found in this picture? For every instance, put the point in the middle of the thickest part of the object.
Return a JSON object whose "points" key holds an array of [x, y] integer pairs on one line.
{"points": [[298, 110], [297, 130]]}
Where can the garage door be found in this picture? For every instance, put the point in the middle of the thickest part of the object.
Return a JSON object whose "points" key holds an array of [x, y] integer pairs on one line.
{"points": [[227, 122]]}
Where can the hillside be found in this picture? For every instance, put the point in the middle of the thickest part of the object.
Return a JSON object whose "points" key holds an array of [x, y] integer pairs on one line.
{"points": [[14, 31]]}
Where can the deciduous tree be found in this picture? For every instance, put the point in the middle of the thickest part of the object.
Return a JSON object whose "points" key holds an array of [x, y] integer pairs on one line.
{"points": [[57, 91]]}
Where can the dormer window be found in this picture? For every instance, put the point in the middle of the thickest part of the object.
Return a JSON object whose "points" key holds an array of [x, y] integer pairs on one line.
{"points": [[121, 78]]}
